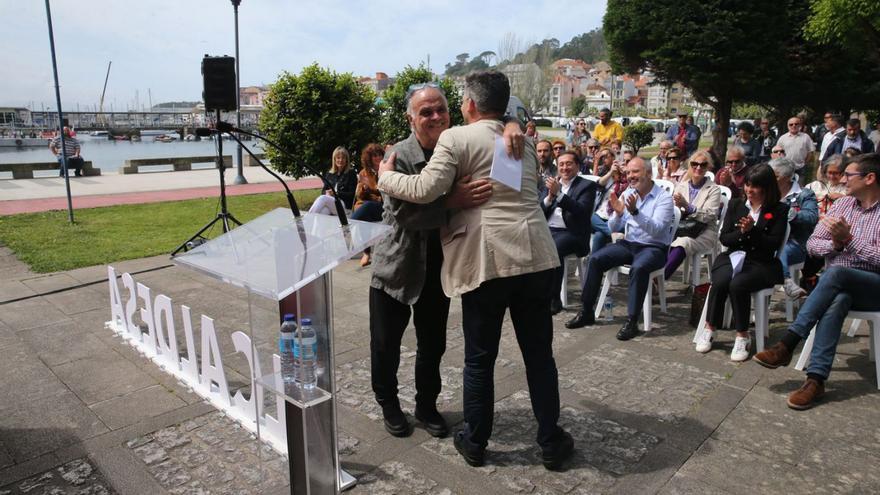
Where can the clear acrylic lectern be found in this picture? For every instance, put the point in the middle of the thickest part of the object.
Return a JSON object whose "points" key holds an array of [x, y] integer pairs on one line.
{"points": [[285, 265]]}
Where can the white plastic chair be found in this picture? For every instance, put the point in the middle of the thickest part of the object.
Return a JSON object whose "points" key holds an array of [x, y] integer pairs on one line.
{"points": [[659, 275], [873, 317], [795, 271], [760, 305], [693, 263], [581, 273], [710, 175]]}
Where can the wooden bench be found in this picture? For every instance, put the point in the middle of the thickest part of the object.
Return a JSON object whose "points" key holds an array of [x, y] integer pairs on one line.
{"points": [[180, 164], [26, 170]]}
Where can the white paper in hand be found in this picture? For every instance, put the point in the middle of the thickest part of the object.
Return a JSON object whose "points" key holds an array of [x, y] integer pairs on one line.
{"points": [[505, 169]]}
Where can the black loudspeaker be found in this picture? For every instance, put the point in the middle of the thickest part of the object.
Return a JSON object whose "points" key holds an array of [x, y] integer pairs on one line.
{"points": [[219, 90]]}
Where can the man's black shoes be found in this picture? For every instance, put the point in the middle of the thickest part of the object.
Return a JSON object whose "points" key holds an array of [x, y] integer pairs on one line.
{"points": [[473, 455], [555, 456], [555, 307], [432, 420], [395, 421], [629, 329], [582, 319]]}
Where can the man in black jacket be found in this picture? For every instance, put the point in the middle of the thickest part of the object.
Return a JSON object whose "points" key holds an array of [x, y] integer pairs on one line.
{"points": [[854, 137], [567, 202]]}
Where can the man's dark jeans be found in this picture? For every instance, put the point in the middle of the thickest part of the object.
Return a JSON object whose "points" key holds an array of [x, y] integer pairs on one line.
{"points": [[528, 299], [388, 320]]}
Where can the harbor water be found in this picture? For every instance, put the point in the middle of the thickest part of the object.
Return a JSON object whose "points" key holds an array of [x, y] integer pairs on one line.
{"points": [[110, 155]]}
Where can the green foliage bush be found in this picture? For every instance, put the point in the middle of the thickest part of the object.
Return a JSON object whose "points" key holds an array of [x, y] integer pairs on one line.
{"points": [[638, 135], [393, 125], [312, 113]]}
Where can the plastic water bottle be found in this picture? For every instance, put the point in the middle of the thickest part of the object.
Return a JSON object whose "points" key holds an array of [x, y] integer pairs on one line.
{"points": [[305, 352], [286, 348], [608, 308]]}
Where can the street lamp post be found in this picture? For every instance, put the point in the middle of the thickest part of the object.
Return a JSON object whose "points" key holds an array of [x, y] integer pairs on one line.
{"points": [[239, 178]]}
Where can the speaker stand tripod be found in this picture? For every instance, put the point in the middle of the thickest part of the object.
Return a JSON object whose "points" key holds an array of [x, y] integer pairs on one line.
{"points": [[223, 216]]}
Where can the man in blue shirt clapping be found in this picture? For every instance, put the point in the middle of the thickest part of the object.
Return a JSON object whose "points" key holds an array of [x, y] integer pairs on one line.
{"points": [[645, 213]]}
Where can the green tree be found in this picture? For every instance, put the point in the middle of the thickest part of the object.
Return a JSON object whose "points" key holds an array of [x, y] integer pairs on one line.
{"points": [[577, 106], [638, 135], [312, 113], [589, 47], [853, 24], [393, 125], [703, 44]]}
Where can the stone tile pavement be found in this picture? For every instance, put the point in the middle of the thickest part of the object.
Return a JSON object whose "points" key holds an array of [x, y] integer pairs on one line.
{"points": [[82, 413]]}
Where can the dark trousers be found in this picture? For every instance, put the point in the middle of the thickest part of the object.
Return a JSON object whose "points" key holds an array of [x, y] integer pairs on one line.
{"points": [[388, 320], [642, 258], [752, 278], [528, 299], [368, 211], [566, 244]]}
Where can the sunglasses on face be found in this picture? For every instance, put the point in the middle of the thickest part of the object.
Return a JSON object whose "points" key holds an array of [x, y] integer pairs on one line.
{"points": [[778, 151], [672, 157], [557, 148], [699, 164], [733, 162]]}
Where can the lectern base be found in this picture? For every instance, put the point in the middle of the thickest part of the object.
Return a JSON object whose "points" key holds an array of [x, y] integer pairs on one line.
{"points": [[346, 480]]}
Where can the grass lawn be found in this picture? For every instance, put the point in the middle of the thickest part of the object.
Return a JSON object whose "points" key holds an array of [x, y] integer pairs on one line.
{"points": [[48, 243]]}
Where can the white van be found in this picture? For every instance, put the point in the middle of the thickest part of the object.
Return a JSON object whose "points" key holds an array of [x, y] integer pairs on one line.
{"points": [[516, 108]]}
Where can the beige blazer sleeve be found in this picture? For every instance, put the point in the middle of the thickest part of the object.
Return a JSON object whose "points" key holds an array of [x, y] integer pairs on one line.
{"points": [[435, 180]]}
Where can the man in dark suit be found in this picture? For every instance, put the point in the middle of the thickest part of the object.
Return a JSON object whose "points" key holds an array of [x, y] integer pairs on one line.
{"points": [[567, 201]]}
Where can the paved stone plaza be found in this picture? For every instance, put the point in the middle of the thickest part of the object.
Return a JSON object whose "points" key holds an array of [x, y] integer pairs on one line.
{"points": [[83, 413]]}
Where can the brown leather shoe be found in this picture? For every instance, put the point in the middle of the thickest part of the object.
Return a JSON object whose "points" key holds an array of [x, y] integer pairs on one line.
{"points": [[806, 397], [773, 357]]}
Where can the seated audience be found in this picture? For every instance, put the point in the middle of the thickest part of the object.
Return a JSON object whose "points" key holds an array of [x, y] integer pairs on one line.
{"points": [[344, 180], [803, 213], [847, 239], [546, 165], [612, 179], [368, 200], [699, 199], [588, 153], [732, 175], [558, 147], [753, 229], [827, 187], [658, 163], [674, 170], [568, 205], [751, 147], [646, 211]]}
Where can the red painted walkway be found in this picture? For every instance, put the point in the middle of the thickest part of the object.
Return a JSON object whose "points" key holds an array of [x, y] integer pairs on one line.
{"points": [[13, 207]]}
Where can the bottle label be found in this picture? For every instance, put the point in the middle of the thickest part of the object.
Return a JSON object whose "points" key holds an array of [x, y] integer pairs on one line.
{"points": [[308, 344]]}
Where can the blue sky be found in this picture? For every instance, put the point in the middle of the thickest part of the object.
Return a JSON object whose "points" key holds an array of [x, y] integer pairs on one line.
{"points": [[158, 45]]}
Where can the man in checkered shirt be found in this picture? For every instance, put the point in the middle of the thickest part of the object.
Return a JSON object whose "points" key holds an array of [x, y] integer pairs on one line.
{"points": [[849, 240], [71, 150]]}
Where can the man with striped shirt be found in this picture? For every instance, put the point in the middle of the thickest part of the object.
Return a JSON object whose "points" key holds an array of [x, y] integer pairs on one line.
{"points": [[71, 150], [847, 239]]}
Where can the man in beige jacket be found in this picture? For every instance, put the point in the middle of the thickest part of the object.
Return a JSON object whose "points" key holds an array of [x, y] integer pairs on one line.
{"points": [[497, 257]]}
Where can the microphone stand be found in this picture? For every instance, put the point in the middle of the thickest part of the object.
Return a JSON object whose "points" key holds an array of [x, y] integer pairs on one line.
{"points": [[223, 216], [340, 209], [294, 208]]}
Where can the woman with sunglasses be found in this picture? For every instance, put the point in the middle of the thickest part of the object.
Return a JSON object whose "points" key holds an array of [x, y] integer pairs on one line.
{"points": [[579, 134], [674, 171], [699, 199]]}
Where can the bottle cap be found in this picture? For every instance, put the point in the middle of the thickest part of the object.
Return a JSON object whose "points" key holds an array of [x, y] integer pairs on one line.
{"points": [[289, 317], [306, 321]]}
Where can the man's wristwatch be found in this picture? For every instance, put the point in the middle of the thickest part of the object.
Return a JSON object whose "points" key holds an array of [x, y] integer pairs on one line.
{"points": [[634, 212]]}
